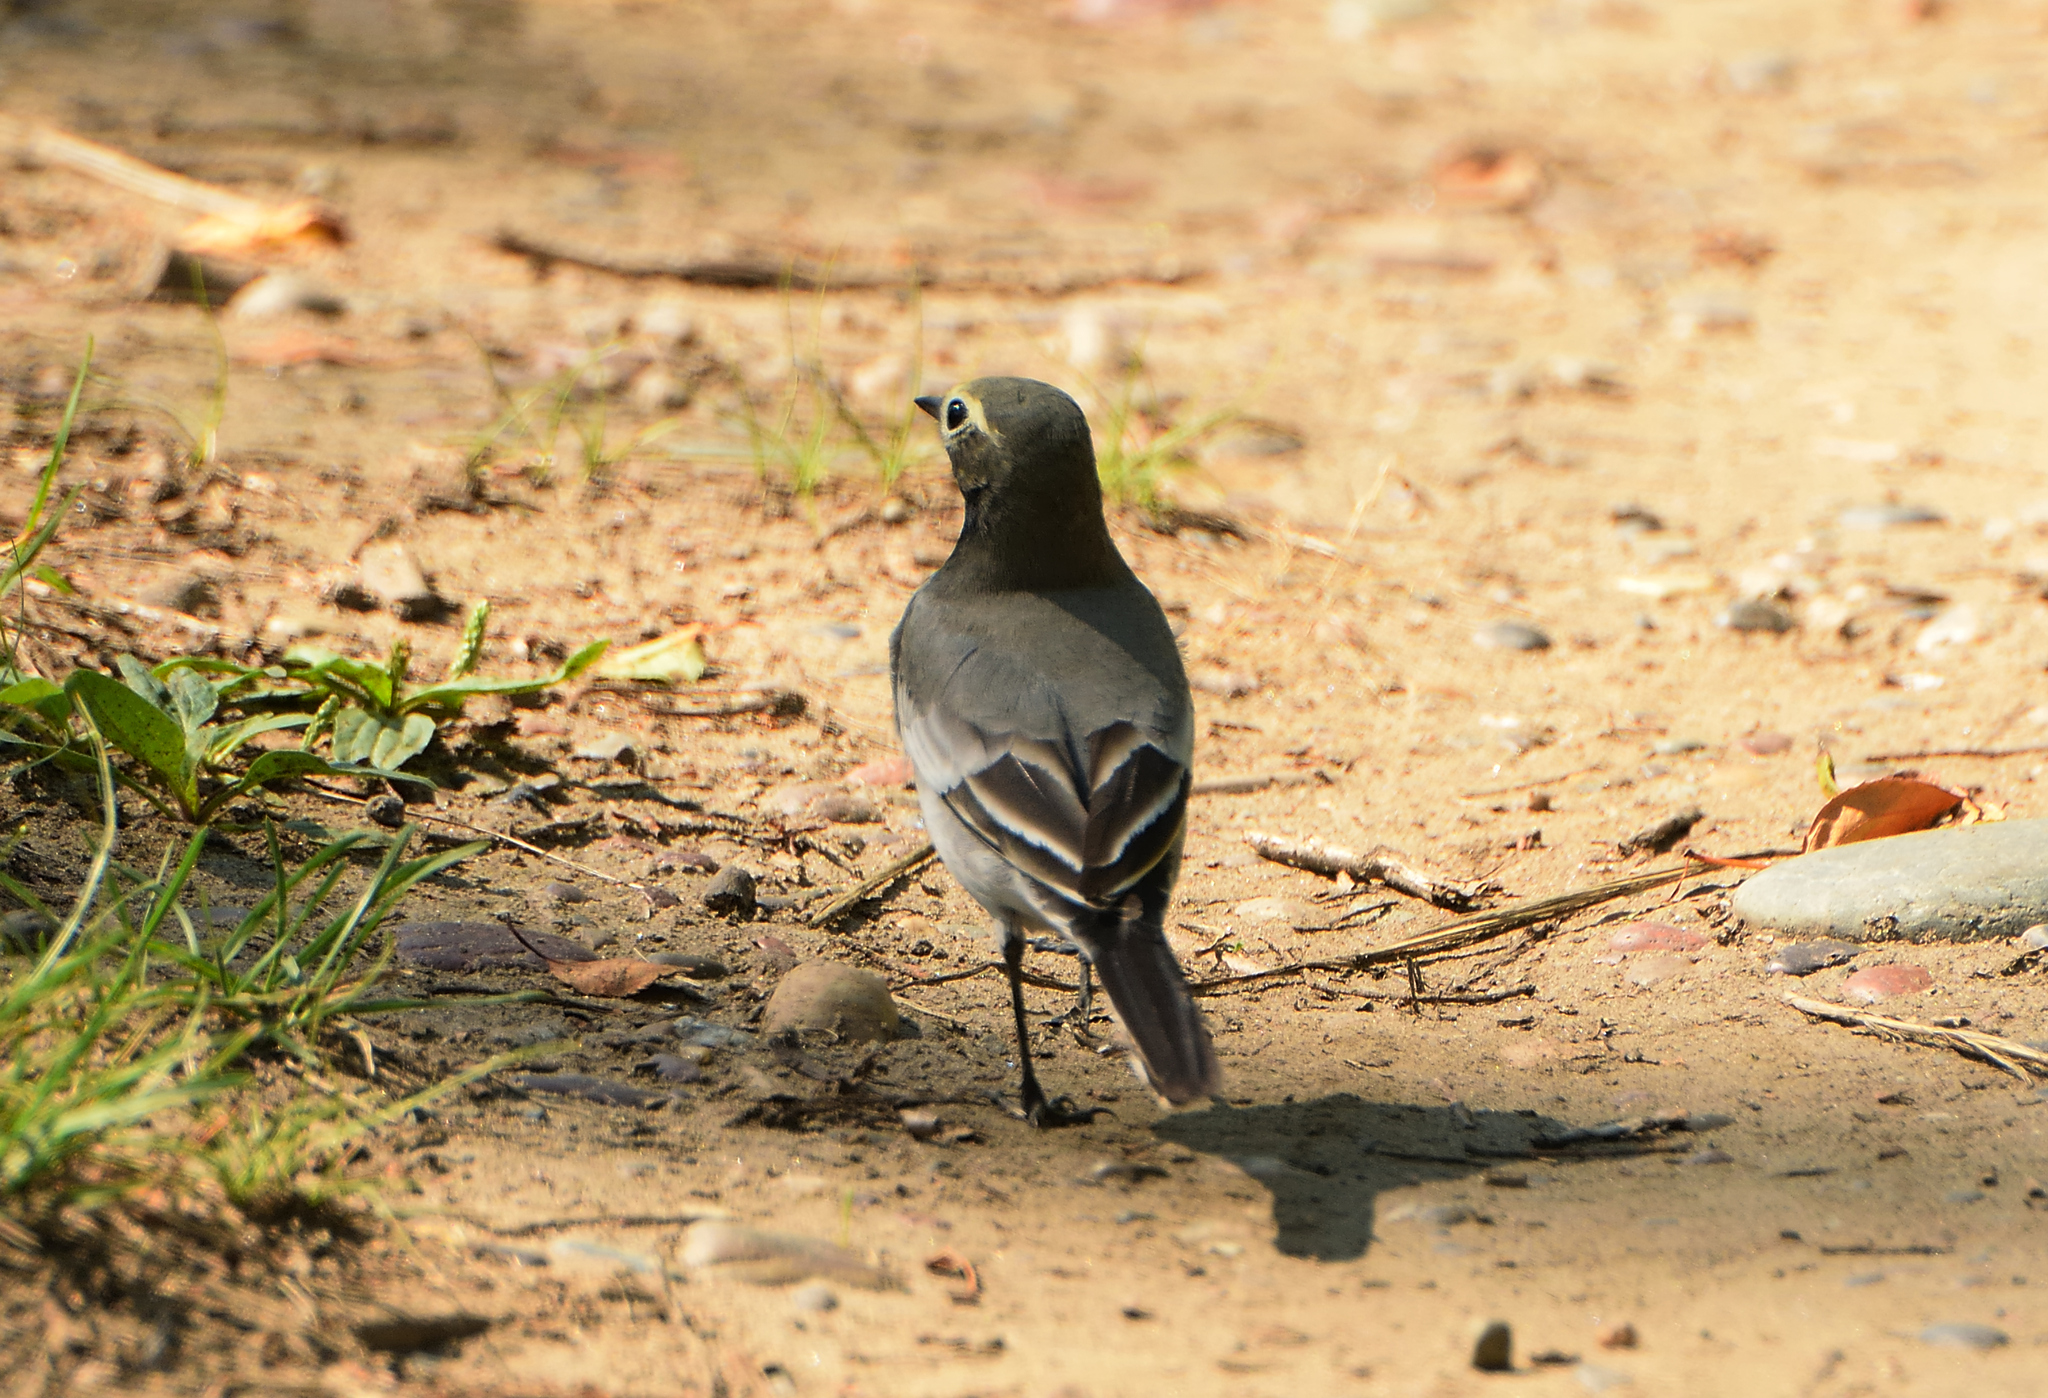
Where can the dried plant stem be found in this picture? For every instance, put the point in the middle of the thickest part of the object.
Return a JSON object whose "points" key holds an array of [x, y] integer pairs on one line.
{"points": [[1389, 867], [330, 794], [909, 863], [1466, 931], [2000, 1052]]}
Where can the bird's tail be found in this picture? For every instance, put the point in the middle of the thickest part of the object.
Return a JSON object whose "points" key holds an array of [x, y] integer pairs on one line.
{"points": [[1145, 984]]}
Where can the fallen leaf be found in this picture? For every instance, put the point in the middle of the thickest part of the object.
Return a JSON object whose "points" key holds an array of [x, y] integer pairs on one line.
{"points": [[1490, 179], [302, 223], [1875, 983], [614, 978], [1874, 810], [677, 657], [951, 1264]]}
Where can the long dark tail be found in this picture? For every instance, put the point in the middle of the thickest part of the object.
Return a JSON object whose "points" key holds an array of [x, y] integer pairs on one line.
{"points": [[1150, 994]]}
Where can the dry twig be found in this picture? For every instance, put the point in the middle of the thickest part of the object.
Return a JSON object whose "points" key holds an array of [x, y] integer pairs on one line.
{"points": [[1465, 931], [2000, 1052], [866, 888], [1385, 865]]}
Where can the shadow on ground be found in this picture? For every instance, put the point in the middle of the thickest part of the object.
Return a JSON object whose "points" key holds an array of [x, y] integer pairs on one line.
{"points": [[1325, 1162]]}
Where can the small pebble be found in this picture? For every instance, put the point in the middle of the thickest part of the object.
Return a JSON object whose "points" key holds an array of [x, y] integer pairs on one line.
{"points": [[731, 893], [1964, 1196], [1804, 958], [2035, 938], [814, 1296], [1655, 936], [1510, 635], [386, 810], [1676, 747], [1595, 1379], [674, 1067], [661, 899], [1655, 970], [1493, 1348], [705, 1034], [1757, 615], [921, 1122], [25, 930], [896, 510], [1710, 1156], [1765, 744], [1963, 1335], [695, 965], [1620, 1335], [1875, 983], [1887, 516], [565, 893], [607, 747]]}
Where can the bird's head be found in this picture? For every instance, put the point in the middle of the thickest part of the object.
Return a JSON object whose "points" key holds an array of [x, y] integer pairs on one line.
{"points": [[1013, 441]]}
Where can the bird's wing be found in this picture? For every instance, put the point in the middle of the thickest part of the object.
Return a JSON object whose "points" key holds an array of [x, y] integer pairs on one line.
{"points": [[1085, 814]]}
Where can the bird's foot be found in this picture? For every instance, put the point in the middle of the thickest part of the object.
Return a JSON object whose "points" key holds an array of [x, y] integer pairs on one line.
{"points": [[1058, 1111]]}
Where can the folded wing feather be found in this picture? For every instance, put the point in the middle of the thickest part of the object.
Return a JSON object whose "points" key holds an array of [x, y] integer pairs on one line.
{"points": [[1026, 801]]}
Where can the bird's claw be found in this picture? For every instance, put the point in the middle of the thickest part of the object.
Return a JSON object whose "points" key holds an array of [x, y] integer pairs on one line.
{"points": [[1061, 1111]]}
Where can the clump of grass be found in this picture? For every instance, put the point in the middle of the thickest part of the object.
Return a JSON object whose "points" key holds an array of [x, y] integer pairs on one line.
{"points": [[128, 1023], [1137, 451], [574, 398]]}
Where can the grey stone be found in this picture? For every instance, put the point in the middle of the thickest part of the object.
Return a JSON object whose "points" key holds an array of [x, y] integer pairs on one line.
{"points": [[695, 965], [1510, 635], [282, 292], [1493, 1348], [387, 810], [704, 1034], [1804, 958], [194, 594], [1887, 516], [1965, 884], [1963, 1336], [25, 930], [814, 1296], [852, 1003], [1757, 615], [731, 893], [388, 573]]}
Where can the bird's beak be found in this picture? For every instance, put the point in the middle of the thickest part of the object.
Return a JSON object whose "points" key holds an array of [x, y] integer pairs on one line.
{"points": [[930, 403]]}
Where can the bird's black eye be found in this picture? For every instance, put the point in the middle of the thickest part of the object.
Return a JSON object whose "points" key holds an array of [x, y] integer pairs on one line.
{"points": [[956, 413]]}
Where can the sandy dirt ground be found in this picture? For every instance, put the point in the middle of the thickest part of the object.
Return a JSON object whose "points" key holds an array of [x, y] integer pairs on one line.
{"points": [[1595, 316]]}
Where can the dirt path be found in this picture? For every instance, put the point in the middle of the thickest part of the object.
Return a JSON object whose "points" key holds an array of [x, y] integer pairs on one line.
{"points": [[1599, 318]]}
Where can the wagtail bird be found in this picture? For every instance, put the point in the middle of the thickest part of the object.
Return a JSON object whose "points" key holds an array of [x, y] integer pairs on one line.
{"points": [[1041, 701]]}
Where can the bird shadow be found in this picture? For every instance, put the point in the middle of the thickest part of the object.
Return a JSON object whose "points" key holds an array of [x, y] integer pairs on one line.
{"points": [[1327, 1161]]}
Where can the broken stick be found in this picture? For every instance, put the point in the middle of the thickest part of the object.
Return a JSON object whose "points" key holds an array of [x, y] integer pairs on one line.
{"points": [[1465, 931], [866, 888], [1385, 865], [2003, 1053]]}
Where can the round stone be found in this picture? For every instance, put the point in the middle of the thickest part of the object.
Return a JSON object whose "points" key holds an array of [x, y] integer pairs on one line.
{"points": [[850, 1002], [1510, 635], [1964, 884]]}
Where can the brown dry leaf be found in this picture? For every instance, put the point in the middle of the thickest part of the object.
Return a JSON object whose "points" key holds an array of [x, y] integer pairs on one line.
{"points": [[951, 1264], [302, 223], [1490, 179], [1887, 806], [616, 978]]}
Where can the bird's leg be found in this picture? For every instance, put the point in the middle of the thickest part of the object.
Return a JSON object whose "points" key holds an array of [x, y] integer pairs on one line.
{"points": [[1037, 1109]]}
